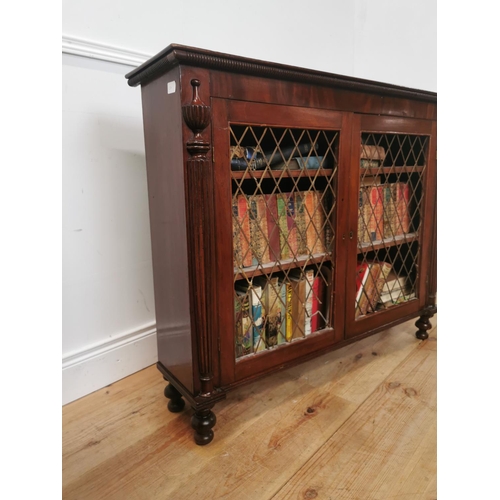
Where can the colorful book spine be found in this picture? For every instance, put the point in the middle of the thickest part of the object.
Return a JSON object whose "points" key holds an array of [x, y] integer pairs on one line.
{"points": [[281, 201], [403, 197], [246, 324], [385, 269], [368, 298], [309, 301], [289, 317], [317, 304], [273, 227], [311, 234], [298, 306], [319, 223], [273, 311], [363, 213], [258, 230], [377, 217], [292, 228], [238, 330], [244, 230], [389, 196], [258, 314], [282, 304], [237, 257], [300, 223]]}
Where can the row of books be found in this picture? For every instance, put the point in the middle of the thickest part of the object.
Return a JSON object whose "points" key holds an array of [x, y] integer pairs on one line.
{"points": [[383, 210], [378, 287], [274, 311], [272, 227], [304, 156]]}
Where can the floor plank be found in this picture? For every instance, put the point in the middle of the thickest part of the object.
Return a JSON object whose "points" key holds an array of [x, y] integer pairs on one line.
{"points": [[386, 449], [272, 437]]}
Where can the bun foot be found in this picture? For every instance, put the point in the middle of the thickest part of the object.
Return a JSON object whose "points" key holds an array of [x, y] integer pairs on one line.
{"points": [[176, 403], [202, 422], [423, 324]]}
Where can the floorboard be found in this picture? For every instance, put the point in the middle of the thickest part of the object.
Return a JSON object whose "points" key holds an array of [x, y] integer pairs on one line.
{"points": [[359, 422]]}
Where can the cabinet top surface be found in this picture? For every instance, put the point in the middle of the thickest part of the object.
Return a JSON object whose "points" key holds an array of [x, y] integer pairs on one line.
{"points": [[176, 54]]}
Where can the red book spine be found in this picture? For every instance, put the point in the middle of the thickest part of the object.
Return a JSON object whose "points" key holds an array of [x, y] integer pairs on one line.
{"points": [[244, 220], [377, 221]]}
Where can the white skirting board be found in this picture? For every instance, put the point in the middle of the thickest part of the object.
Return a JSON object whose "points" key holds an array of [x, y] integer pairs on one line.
{"points": [[100, 365], [95, 366]]}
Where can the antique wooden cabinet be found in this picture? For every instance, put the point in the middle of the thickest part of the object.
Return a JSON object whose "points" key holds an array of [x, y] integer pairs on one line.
{"points": [[292, 212]]}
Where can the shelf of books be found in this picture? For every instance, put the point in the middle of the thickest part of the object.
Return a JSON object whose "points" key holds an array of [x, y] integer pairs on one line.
{"points": [[283, 208], [392, 169]]}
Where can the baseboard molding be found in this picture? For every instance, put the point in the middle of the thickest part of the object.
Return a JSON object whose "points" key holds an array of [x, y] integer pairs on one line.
{"points": [[101, 364], [104, 52]]}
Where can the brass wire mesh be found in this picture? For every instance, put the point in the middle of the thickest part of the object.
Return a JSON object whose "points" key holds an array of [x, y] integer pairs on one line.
{"points": [[391, 193], [284, 206]]}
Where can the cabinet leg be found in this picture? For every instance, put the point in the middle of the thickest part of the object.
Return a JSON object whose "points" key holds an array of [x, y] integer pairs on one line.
{"points": [[202, 422], [423, 324], [176, 403]]}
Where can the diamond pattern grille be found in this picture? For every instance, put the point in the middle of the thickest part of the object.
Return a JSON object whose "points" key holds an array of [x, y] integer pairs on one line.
{"points": [[284, 207], [391, 193]]}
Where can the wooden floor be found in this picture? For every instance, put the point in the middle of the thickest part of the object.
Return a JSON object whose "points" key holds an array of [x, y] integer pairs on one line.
{"points": [[357, 423]]}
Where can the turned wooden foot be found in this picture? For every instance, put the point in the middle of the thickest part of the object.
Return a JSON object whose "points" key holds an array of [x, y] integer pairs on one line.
{"points": [[202, 422], [423, 324], [176, 403]]}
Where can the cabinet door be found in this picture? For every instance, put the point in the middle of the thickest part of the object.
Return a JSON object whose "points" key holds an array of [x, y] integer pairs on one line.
{"points": [[392, 195], [278, 180]]}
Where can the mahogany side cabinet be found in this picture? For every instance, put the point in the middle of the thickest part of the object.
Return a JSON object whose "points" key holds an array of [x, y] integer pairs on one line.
{"points": [[292, 212]]}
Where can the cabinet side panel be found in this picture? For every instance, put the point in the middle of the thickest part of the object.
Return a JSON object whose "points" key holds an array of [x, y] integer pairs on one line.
{"points": [[164, 159]]}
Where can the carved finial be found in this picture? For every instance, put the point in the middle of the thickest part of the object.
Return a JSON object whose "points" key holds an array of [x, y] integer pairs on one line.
{"points": [[197, 118]]}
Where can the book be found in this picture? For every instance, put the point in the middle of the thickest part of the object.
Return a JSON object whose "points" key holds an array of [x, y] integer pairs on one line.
{"points": [[402, 208], [238, 330], [372, 152], [319, 223], [376, 223], [362, 269], [385, 269], [273, 311], [258, 230], [389, 205], [282, 304], [367, 294], [281, 201], [243, 322], [310, 228], [253, 293], [298, 283], [366, 163], [370, 210], [237, 256], [243, 223], [317, 322], [309, 301], [288, 157], [289, 317], [258, 315], [300, 223], [292, 228], [273, 228], [363, 216]]}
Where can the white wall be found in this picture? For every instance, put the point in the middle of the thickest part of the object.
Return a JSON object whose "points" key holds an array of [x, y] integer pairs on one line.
{"points": [[108, 306]]}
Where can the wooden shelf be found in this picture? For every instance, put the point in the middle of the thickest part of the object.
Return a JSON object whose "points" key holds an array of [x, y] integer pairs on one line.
{"points": [[391, 170], [282, 265], [387, 242], [276, 174]]}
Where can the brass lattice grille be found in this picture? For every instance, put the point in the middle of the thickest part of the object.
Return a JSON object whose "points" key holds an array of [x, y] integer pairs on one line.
{"points": [[283, 201], [391, 193]]}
